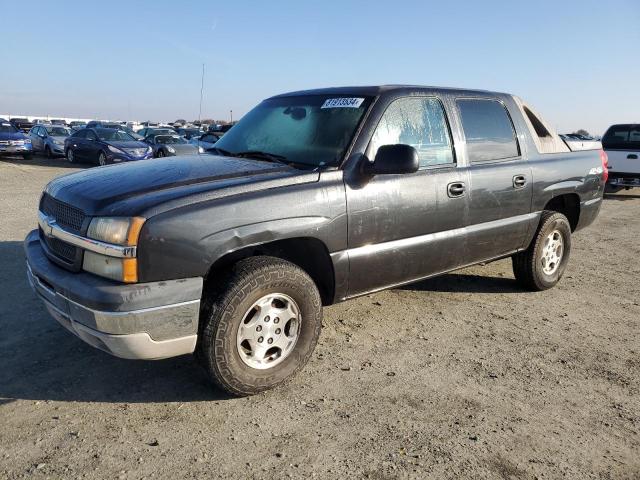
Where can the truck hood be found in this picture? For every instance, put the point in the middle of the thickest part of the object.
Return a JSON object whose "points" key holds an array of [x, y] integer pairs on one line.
{"points": [[139, 188]]}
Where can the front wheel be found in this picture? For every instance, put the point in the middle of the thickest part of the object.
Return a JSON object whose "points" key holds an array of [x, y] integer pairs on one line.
{"points": [[70, 156], [541, 266], [26, 156], [102, 159], [259, 326], [160, 153], [47, 152]]}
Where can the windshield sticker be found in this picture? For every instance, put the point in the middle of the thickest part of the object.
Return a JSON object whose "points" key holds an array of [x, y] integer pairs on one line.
{"points": [[342, 103]]}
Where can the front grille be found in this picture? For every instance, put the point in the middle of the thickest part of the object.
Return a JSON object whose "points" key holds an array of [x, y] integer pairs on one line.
{"points": [[65, 215], [61, 249]]}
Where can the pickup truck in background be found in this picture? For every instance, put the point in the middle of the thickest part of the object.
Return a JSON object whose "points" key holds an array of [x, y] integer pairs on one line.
{"points": [[622, 145], [313, 198]]}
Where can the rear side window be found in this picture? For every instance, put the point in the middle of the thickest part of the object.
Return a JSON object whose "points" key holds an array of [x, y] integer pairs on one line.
{"points": [[488, 130], [419, 122], [622, 137]]}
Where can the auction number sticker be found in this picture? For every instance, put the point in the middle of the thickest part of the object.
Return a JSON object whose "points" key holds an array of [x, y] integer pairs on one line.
{"points": [[342, 102]]}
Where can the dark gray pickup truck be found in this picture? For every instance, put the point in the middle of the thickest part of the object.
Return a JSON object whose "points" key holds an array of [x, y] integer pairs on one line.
{"points": [[313, 198]]}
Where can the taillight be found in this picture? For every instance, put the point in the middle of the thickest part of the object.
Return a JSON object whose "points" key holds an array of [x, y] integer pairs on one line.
{"points": [[605, 165]]}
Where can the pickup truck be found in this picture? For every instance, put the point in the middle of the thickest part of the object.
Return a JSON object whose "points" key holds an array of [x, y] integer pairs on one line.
{"points": [[313, 198], [622, 145]]}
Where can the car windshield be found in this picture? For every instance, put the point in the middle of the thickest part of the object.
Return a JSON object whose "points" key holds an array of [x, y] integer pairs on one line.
{"points": [[7, 128], [313, 130], [58, 131], [169, 139], [622, 137], [112, 134]]}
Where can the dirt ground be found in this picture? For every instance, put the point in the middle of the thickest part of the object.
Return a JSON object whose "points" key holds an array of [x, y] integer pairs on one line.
{"points": [[463, 376]]}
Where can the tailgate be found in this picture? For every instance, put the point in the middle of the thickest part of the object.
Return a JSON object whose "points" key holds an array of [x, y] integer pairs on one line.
{"points": [[624, 161]]}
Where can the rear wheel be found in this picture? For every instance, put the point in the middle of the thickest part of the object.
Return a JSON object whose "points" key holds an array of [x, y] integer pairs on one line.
{"points": [[259, 326], [541, 266], [102, 159]]}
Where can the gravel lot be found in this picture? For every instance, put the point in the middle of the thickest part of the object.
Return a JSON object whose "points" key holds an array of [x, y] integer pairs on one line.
{"points": [[460, 376]]}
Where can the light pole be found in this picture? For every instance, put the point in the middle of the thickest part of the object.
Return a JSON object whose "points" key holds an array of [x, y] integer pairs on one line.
{"points": [[231, 115]]}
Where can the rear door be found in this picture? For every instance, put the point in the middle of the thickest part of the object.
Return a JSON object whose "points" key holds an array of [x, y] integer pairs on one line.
{"points": [[500, 183], [406, 227]]}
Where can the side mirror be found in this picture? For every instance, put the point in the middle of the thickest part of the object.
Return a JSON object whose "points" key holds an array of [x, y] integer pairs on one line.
{"points": [[393, 160]]}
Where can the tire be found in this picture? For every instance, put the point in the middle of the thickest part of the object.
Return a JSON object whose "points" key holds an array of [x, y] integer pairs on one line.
{"points": [[47, 152], [231, 304], [541, 266], [160, 153], [102, 159], [27, 156], [71, 158]]}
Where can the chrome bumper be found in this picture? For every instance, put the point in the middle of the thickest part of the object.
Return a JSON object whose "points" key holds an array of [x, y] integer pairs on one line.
{"points": [[149, 333]]}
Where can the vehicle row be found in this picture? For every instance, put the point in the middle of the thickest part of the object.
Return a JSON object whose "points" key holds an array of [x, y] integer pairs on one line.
{"points": [[105, 143]]}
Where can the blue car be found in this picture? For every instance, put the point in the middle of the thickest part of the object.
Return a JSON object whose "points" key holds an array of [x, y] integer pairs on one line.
{"points": [[104, 146], [14, 142]]}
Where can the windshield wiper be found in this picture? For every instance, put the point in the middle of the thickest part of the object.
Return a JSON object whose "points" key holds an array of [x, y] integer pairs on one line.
{"points": [[260, 155]]}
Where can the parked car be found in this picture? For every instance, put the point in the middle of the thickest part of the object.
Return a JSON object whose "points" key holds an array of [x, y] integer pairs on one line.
{"points": [[77, 125], [49, 139], [581, 142], [316, 197], [189, 133], [147, 131], [58, 121], [21, 123], [221, 129], [13, 141], [170, 145], [205, 141], [104, 146], [622, 144]]}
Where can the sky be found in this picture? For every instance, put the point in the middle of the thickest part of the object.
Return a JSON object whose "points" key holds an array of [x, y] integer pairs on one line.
{"points": [[576, 62]]}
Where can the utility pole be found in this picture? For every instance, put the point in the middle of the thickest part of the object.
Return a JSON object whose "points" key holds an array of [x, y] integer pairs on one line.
{"points": [[231, 115]]}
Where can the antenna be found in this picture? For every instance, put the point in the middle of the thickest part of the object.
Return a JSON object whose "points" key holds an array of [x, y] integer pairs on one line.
{"points": [[201, 90]]}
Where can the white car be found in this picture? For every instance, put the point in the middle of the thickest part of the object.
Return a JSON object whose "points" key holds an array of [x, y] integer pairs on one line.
{"points": [[622, 145]]}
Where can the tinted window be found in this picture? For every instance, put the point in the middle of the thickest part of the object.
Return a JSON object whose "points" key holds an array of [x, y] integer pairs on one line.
{"points": [[622, 137], [90, 135], [488, 130], [419, 122], [80, 134]]}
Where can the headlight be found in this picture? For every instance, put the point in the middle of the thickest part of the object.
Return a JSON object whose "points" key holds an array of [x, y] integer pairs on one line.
{"points": [[171, 149], [200, 150], [115, 150], [27, 140], [118, 231]]}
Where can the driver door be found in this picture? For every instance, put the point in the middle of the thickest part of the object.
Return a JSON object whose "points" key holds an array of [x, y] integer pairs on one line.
{"points": [[409, 226]]}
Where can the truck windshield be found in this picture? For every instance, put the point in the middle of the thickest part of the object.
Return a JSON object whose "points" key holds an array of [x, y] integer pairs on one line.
{"points": [[312, 130], [622, 137]]}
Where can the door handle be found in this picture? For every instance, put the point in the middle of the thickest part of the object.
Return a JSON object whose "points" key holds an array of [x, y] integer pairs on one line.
{"points": [[632, 156], [456, 189], [519, 181]]}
